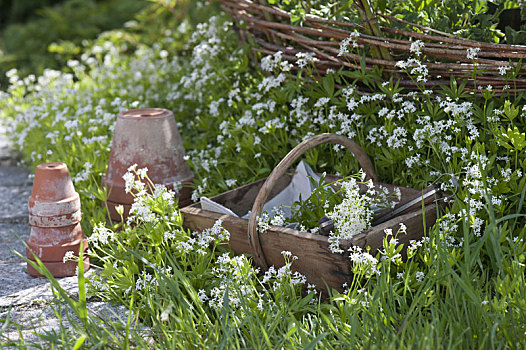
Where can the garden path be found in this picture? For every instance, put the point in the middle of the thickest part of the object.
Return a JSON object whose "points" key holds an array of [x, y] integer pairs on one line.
{"points": [[25, 300]]}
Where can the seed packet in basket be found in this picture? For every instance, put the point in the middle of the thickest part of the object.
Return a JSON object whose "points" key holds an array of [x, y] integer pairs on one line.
{"points": [[416, 209]]}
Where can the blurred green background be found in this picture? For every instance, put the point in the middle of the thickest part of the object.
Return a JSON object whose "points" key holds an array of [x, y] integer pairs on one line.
{"points": [[28, 28]]}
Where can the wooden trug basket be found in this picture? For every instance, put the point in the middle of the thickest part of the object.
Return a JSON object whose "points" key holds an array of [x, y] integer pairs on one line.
{"points": [[444, 54], [315, 260]]}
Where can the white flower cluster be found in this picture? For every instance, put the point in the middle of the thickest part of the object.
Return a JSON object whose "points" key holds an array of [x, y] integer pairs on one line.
{"points": [[232, 275], [147, 282], [415, 67], [350, 41], [101, 235], [275, 62], [352, 216], [472, 53], [69, 256], [304, 58], [263, 222], [416, 47], [363, 261], [200, 242], [284, 274], [137, 183], [84, 174], [504, 69]]}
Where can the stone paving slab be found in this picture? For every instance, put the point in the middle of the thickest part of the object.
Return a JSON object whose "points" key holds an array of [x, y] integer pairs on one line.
{"points": [[20, 288], [10, 242], [15, 176], [13, 203], [40, 317], [6, 153]]}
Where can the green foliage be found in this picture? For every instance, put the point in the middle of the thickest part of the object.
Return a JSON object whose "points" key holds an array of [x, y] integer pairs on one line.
{"points": [[496, 21], [17, 11], [61, 29]]}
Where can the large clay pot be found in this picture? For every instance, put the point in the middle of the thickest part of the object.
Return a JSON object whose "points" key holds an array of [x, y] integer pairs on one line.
{"points": [[54, 218], [149, 138]]}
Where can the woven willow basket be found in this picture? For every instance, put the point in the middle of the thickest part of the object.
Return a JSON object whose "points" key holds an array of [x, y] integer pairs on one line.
{"points": [[444, 54]]}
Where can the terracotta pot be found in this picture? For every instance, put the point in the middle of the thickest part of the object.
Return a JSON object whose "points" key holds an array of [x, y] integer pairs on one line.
{"points": [[149, 138], [54, 217]]}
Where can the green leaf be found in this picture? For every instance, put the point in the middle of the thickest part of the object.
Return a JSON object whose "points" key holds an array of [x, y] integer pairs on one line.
{"points": [[382, 4], [510, 110], [315, 341], [79, 342]]}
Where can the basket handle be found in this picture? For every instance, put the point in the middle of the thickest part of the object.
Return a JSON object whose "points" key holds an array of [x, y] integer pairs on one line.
{"points": [[281, 169]]}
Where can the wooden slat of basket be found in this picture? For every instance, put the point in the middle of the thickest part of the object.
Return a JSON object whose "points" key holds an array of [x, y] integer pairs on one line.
{"points": [[315, 260]]}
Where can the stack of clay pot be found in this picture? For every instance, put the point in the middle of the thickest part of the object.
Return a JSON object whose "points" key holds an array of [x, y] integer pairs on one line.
{"points": [[54, 217], [149, 138]]}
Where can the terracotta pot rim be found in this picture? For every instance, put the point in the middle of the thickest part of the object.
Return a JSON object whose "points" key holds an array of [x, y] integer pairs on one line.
{"points": [[56, 220], [45, 208], [52, 165], [142, 113]]}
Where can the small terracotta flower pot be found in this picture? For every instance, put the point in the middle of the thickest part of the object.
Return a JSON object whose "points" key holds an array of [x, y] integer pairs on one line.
{"points": [[149, 138], [54, 217]]}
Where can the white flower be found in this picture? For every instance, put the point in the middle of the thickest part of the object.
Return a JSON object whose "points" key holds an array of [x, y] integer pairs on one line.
{"points": [[503, 69], [142, 173], [416, 47], [305, 58], [201, 294], [351, 40], [286, 254], [263, 222], [11, 73], [68, 256], [351, 216], [321, 102], [472, 53], [419, 276], [101, 235], [230, 182], [128, 181], [366, 260]]}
